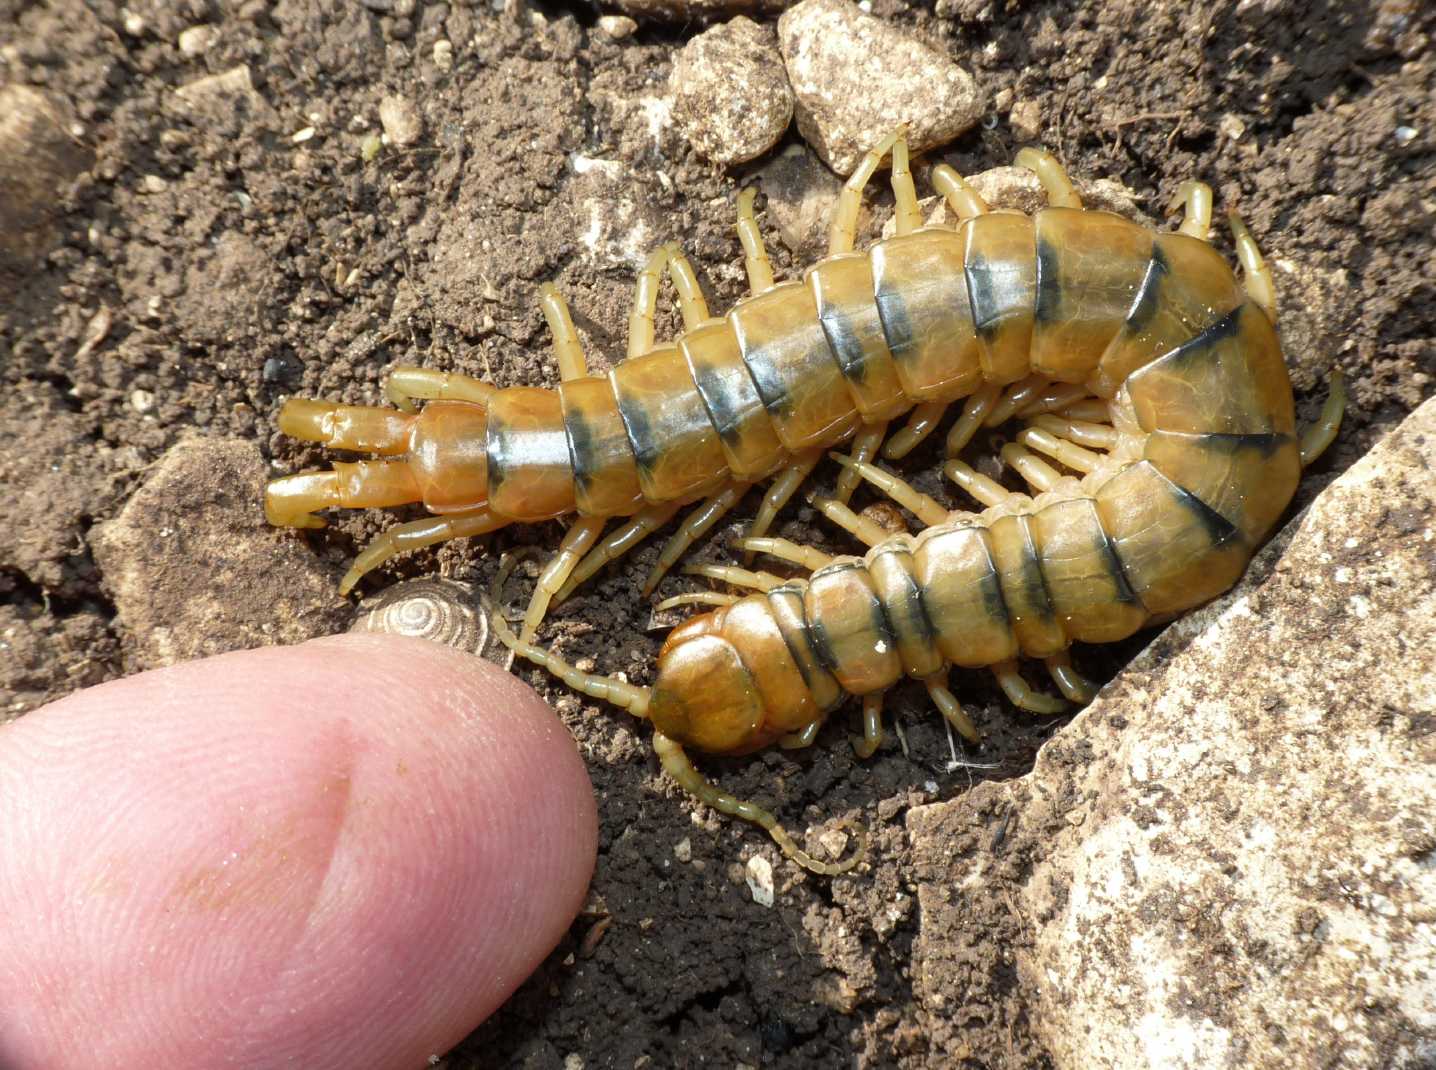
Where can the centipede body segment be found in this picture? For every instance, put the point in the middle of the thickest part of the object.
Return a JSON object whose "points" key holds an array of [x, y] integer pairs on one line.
{"points": [[1159, 446]]}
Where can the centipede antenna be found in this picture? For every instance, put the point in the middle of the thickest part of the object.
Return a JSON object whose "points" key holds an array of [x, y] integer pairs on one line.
{"points": [[605, 688], [678, 766], [1316, 438]]}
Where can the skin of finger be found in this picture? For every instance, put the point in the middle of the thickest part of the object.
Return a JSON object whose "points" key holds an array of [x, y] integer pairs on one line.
{"points": [[342, 854]]}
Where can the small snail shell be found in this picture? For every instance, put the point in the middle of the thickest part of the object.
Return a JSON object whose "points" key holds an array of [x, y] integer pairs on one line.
{"points": [[440, 610]]}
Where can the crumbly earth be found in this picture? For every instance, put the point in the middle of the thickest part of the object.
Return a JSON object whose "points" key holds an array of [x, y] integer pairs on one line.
{"points": [[217, 259]]}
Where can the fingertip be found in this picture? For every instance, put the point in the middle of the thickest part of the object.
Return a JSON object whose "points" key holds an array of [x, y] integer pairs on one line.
{"points": [[384, 836]]}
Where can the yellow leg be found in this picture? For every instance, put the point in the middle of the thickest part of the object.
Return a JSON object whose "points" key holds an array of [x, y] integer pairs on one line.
{"points": [[407, 383], [866, 531], [950, 708], [802, 738], [865, 448], [872, 737], [576, 542], [987, 491], [1040, 475], [974, 412], [1073, 685], [641, 328], [755, 256], [1197, 197], [676, 764], [694, 527], [1059, 449], [920, 424], [926, 509], [696, 598], [786, 550], [1321, 434], [566, 347], [1256, 276], [780, 490], [1021, 694], [1082, 432], [1016, 396], [417, 534], [619, 542], [1060, 193], [843, 233], [738, 577], [1054, 397], [960, 197]]}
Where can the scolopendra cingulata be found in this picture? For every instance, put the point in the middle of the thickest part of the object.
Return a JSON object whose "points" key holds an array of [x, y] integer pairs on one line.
{"points": [[1139, 363]]}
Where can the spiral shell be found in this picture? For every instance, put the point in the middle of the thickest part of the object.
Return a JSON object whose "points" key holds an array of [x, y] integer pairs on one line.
{"points": [[439, 610]]}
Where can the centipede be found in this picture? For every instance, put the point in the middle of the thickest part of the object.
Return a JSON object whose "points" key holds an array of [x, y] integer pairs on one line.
{"points": [[1158, 450]]}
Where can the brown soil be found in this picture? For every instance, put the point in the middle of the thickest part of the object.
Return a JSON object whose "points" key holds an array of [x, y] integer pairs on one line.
{"points": [[225, 289]]}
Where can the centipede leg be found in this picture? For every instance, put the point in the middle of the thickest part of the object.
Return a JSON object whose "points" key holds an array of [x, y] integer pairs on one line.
{"points": [[738, 577], [641, 329], [1060, 192], [1256, 276], [950, 708], [960, 197], [927, 509], [566, 347], [974, 412], [1077, 432], [1197, 197], [866, 531], [619, 541], [1021, 694], [1017, 395], [802, 738], [1074, 686], [1059, 449], [843, 232], [694, 527], [786, 550], [576, 542], [417, 534], [780, 490], [1316, 438], [987, 491], [755, 254], [677, 765], [696, 598], [407, 384], [1040, 475], [865, 447], [872, 736], [920, 424]]}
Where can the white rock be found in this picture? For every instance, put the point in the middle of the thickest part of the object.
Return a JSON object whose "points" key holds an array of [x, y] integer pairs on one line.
{"points": [[1262, 895], [855, 78], [400, 120], [759, 875], [730, 94]]}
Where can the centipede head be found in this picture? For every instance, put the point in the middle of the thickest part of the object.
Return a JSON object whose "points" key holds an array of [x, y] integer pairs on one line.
{"points": [[704, 697]]}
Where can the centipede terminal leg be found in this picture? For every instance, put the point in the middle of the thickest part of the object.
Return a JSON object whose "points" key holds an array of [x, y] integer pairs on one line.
{"points": [[677, 765]]}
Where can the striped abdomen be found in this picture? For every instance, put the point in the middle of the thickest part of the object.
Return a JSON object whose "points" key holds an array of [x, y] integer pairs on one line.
{"points": [[1074, 295], [1211, 462]]}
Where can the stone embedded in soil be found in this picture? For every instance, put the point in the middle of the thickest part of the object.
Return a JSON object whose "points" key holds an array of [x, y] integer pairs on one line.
{"points": [[401, 121], [730, 93], [40, 154], [1229, 851], [697, 10], [224, 97], [194, 569], [800, 197], [856, 77]]}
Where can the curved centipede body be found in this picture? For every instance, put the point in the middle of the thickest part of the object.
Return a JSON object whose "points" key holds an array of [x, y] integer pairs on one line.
{"points": [[1144, 368]]}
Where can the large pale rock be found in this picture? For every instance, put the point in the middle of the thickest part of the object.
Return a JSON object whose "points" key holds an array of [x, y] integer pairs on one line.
{"points": [[855, 78], [730, 93], [1227, 859], [40, 155], [194, 569]]}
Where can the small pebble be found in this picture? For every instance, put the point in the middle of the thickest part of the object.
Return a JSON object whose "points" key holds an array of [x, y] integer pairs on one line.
{"points": [[856, 77], [400, 119], [617, 26], [730, 95], [444, 55], [683, 850], [197, 40], [1404, 135], [759, 876], [142, 401], [153, 184], [1231, 127], [369, 147], [1026, 120]]}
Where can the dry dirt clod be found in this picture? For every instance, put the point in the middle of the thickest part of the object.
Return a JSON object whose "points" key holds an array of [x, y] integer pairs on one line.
{"points": [[730, 93], [697, 10], [856, 77], [401, 121], [39, 154], [218, 96], [194, 570]]}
